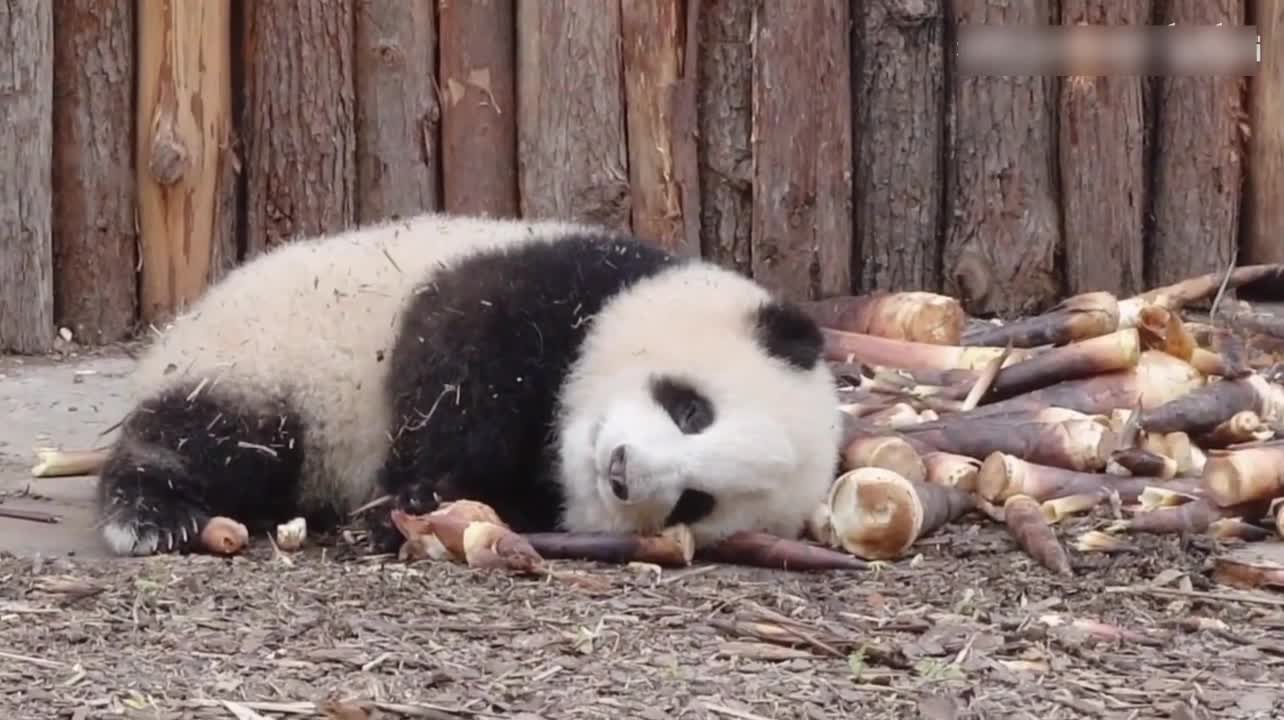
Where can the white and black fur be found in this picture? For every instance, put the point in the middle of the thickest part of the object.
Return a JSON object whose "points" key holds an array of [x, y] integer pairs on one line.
{"points": [[570, 377]]}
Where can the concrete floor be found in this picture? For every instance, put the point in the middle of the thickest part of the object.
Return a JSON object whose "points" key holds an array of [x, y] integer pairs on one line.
{"points": [[55, 402]]}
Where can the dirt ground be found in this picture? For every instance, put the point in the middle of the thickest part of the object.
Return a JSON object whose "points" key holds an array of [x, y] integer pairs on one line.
{"points": [[970, 628]]}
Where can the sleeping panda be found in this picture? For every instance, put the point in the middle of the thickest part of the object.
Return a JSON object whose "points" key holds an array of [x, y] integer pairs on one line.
{"points": [[572, 378]]}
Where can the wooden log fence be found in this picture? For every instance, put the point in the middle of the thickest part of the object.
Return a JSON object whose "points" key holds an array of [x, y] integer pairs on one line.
{"points": [[825, 147]]}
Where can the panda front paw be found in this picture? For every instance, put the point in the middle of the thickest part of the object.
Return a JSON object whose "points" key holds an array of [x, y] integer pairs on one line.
{"points": [[155, 533]]}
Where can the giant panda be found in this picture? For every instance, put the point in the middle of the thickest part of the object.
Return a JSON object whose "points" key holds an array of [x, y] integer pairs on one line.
{"points": [[572, 377]]}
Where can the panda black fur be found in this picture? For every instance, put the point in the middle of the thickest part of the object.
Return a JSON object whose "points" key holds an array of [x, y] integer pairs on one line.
{"points": [[570, 377]]}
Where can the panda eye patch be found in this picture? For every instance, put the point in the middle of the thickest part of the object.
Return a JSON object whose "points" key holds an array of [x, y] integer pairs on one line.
{"points": [[690, 410]]}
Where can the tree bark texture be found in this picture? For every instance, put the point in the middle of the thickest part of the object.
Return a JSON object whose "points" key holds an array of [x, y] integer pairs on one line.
{"points": [[802, 141], [572, 157], [398, 117], [300, 120], [183, 137], [659, 51], [1264, 240], [899, 59], [725, 100], [1103, 168], [1003, 226], [95, 242], [1199, 159], [26, 168], [479, 106]]}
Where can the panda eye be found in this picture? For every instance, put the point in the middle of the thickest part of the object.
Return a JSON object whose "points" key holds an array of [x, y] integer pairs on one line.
{"points": [[691, 411]]}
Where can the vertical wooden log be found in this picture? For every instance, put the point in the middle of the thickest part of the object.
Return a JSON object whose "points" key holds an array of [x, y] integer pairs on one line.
{"points": [[397, 115], [802, 141], [95, 241], [1002, 232], [658, 38], [479, 106], [1264, 241], [1199, 158], [572, 160], [725, 99], [1103, 169], [26, 160], [300, 120], [183, 132], [899, 58]]}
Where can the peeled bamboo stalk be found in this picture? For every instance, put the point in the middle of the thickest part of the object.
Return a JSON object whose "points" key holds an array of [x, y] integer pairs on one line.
{"points": [[878, 514], [1079, 444], [1003, 475], [843, 346], [1157, 379], [1078, 360], [886, 451], [1232, 477], [911, 315], [1076, 318]]}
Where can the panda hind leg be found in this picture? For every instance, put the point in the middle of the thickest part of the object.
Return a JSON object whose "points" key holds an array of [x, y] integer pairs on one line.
{"points": [[187, 455]]}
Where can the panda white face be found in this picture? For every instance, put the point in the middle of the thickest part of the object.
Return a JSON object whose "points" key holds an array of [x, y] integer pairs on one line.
{"points": [[699, 401]]}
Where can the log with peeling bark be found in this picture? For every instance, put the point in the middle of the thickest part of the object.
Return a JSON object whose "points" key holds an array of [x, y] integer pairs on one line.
{"points": [[916, 316]]}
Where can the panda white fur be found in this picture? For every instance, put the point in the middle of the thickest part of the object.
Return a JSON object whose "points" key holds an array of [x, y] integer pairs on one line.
{"points": [[571, 377]]}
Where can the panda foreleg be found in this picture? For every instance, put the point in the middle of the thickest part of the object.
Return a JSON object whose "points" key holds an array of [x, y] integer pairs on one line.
{"points": [[187, 455]]}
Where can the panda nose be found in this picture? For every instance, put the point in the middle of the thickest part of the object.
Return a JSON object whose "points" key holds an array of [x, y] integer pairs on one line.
{"points": [[615, 473]]}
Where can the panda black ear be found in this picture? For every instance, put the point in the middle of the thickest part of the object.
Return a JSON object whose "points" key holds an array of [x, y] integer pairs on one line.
{"points": [[786, 332]]}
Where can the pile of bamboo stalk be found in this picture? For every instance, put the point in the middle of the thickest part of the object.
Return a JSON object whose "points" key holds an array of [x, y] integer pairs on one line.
{"points": [[1166, 418]]}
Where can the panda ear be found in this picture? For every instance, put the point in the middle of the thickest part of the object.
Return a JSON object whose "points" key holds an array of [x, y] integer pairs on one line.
{"points": [[787, 333]]}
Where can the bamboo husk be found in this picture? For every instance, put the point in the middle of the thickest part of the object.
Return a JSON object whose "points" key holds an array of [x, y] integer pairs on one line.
{"points": [[1242, 427], [1141, 462]]}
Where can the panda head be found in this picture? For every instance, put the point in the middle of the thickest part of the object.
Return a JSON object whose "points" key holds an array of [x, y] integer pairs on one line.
{"points": [[700, 399]]}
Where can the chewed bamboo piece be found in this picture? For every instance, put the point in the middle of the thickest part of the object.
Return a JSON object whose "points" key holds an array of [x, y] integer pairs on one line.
{"points": [[910, 315], [1242, 427], [224, 536], [1079, 360], [877, 514], [1141, 462], [469, 531], [951, 470], [1079, 317], [53, 462]]}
